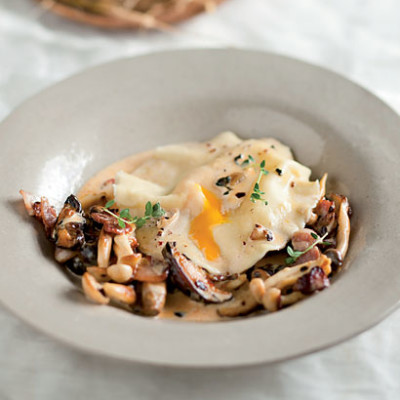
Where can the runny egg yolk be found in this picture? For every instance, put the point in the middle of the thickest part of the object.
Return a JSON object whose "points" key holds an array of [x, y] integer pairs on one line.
{"points": [[201, 226]]}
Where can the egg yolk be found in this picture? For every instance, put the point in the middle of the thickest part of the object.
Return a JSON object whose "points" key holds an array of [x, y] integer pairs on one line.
{"points": [[201, 226]]}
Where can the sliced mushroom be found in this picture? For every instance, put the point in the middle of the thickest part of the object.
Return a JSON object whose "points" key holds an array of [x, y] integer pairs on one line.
{"points": [[153, 297], [192, 279], [343, 230], [104, 247], [68, 231], [120, 293], [305, 278], [149, 270], [223, 277], [242, 303], [122, 246], [231, 285], [93, 289]]}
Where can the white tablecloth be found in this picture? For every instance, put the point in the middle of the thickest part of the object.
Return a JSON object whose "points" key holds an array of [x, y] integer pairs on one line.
{"points": [[358, 38]]}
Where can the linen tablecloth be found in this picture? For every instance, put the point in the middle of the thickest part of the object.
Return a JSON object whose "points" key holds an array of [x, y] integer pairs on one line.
{"points": [[358, 38]]}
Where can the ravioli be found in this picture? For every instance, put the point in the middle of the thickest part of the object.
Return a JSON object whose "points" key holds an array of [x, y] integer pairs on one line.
{"points": [[206, 189]]}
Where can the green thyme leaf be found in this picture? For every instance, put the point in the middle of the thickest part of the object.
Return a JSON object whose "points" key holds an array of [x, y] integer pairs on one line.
{"points": [[289, 260], [315, 236], [124, 217], [148, 209], [125, 214], [290, 251], [257, 193], [110, 203], [157, 211]]}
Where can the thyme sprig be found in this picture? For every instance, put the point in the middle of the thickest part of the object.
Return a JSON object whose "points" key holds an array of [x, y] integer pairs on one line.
{"points": [[295, 254], [257, 193], [125, 218]]}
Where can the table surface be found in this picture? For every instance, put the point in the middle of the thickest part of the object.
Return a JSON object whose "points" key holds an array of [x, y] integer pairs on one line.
{"points": [[357, 38]]}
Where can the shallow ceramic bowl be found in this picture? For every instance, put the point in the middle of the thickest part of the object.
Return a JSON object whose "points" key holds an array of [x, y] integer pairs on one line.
{"points": [[58, 139]]}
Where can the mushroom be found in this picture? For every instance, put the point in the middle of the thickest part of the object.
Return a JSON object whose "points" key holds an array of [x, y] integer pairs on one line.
{"points": [[120, 293], [302, 279], [29, 201], [231, 285], [100, 274], [261, 233], [260, 273], [68, 230], [63, 255], [343, 230], [153, 297], [93, 289], [120, 273], [327, 218], [242, 303], [42, 210], [149, 270], [122, 246], [104, 246], [192, 279]]}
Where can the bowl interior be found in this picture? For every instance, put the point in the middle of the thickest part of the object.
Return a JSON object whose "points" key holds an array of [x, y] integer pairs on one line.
{"points": [[60, 138]]}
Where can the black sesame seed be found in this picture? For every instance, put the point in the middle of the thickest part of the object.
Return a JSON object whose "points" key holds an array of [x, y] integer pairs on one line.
{"points": [[278, 171], [237, 158], [239, 195], [224, 181], [303, 269], [269, 236], [179, 314]]}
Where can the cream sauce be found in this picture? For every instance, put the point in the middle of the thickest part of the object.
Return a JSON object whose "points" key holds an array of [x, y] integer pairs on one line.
{"points": [[178, 305]]}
